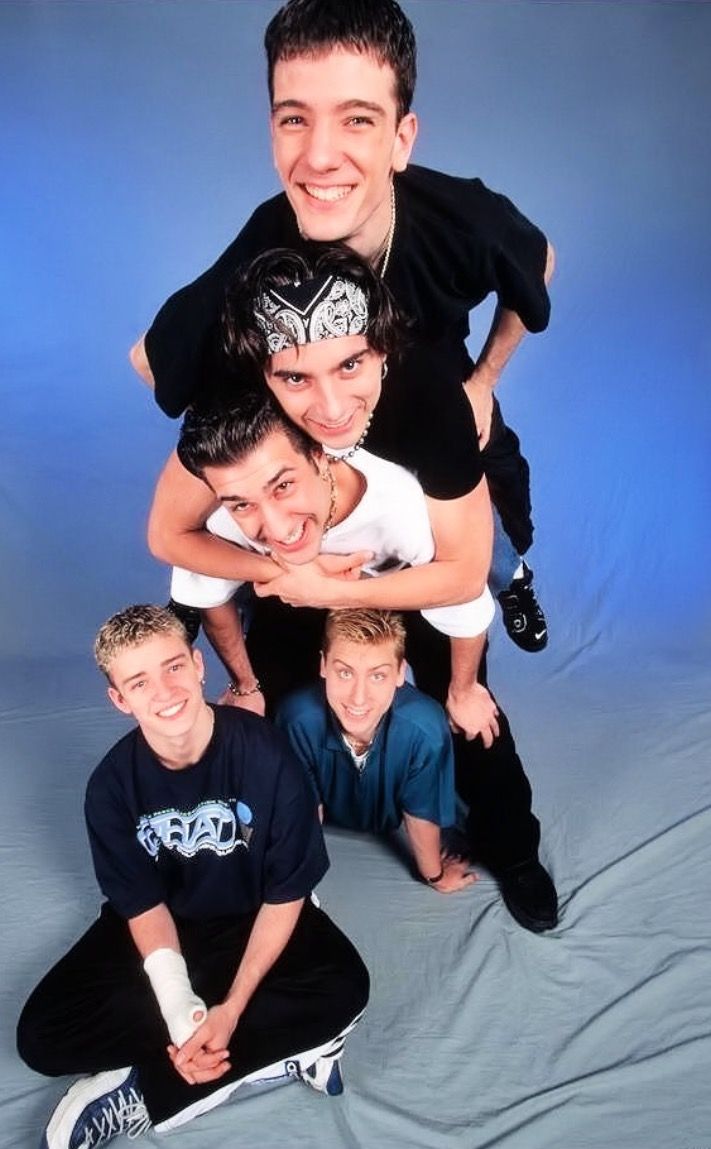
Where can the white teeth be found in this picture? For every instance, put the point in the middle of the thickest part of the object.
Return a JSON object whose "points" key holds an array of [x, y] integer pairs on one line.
{"points": [[171, 710], [293, 536], [328, 195]]}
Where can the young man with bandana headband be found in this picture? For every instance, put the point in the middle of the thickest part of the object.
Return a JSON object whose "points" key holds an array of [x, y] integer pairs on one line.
{"points": [[341, 79], [337, 311]]}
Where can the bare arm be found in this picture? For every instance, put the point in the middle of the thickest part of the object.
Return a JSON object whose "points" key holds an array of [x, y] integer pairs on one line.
{"points": [[139, 361], [176, 530], [504, 337], [462, 530], [470, 708], [223, 627], [154, 930], [424, 839], [273, 926]]}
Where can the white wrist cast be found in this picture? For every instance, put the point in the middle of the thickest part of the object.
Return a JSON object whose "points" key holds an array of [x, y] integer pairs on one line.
{"points": [[183, 1011]]}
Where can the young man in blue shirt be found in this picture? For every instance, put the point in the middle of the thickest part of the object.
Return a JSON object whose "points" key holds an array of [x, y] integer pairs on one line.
{"points": [[379, 751]]}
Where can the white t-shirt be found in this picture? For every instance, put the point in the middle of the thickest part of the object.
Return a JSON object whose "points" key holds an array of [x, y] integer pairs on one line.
{"points": [[391, 520]]}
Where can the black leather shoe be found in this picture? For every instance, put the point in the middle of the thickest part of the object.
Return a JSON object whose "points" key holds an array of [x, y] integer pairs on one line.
{"points": [[530, 896]]}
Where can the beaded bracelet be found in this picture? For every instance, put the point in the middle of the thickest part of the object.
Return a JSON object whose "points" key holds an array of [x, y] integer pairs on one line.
{"points": [[234, 689]]}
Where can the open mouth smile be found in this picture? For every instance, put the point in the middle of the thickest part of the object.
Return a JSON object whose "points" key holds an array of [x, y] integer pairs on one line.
{"points": [[172, 711], [329, 194]]}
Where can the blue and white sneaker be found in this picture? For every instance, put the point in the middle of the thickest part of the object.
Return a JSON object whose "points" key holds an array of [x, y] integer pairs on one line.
{"points": [[97, 1108], [324, 1074]]}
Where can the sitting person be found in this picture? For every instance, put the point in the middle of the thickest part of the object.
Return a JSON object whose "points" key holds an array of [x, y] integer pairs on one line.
{"points": [[378, 751], [198, 976]]}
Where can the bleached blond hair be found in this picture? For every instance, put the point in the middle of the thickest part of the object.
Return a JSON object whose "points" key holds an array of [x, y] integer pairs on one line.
{"points": [[131, 627], [366, 628]]}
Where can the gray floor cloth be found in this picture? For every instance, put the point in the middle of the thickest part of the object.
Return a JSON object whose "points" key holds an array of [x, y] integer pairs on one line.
{"points": [[478, 1034]]}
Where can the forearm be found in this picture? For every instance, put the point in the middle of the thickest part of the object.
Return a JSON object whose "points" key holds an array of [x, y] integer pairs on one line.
{"points": [[505, 335], [425, 843], [223, 627], [273, 926], [465, 658], [439, 583], [139, 361], [153, 930]]}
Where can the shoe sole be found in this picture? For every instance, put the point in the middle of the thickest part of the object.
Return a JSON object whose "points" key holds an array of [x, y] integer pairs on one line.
{"points": [[61, 1125]]}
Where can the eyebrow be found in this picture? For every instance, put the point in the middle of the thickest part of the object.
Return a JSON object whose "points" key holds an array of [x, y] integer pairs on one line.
{"points": [[346, 106], [288, 469], [165, 662], [369, 669], [285, 373]]}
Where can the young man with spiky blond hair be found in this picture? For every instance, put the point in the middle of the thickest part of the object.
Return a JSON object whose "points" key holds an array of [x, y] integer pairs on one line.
{"points": [[197, 979], [378, 750]]}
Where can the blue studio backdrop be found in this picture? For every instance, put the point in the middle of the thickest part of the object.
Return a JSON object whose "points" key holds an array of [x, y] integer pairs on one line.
{"points": [[134, 143]]}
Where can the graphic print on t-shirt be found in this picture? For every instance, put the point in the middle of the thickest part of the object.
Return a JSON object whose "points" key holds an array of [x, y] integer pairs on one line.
{"points": [[216, 825]]}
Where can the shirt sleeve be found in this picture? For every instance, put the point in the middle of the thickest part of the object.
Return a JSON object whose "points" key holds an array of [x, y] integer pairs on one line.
{"points": [[428, 789], [184, 343], [297, 735], [127, 876], [515, 261], [295, 858]]}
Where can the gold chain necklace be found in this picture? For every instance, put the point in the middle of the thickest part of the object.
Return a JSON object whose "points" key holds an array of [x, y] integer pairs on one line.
{"points": [[332, 507], [391, 232]]}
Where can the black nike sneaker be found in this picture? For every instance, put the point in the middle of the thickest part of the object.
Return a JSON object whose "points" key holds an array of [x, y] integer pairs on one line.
{"points": [[524, 620]]}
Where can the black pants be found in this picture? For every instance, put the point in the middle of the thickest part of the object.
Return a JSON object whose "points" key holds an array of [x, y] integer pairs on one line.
{"points": [[95, 1010], [284, 644], [501, 827], [507, 474]]}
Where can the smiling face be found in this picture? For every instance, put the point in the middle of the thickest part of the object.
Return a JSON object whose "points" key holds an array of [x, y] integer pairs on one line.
{"points": [[278, 496], [158, 682], [328, 388], [361, 680], [337, 140]]}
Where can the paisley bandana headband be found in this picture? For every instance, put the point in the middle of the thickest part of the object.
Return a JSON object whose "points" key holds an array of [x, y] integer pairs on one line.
{"points": [[322, 308]]}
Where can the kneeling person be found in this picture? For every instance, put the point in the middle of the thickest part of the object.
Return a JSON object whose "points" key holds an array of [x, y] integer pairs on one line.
{"points": [[378, 750], [198, 976]]}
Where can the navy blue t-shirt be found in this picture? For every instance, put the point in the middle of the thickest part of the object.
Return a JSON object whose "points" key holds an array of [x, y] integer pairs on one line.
{"points": [[236, 829]]}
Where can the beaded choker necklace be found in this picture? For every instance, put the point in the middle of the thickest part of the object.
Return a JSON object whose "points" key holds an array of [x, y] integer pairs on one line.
{"points": [[348, 454]]}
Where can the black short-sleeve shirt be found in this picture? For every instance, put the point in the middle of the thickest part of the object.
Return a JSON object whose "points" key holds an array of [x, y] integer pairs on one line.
{"points": [[455, 242], [221, 837]]}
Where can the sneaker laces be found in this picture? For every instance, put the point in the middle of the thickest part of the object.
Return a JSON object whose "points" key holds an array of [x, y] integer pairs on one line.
{"points": [[124, 1111]]}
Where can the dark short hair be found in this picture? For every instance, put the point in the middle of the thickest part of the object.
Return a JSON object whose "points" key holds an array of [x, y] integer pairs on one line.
{"points": [[224, 434], [380, 27], [245, 340]]}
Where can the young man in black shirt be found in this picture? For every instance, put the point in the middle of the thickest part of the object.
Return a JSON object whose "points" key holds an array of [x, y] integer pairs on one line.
{"points": [[199, 975], [341, 80]]}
